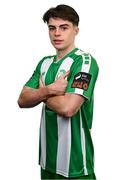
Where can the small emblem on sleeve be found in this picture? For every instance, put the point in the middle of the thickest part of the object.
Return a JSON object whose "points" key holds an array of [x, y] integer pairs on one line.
{"points": [[81, 80]]}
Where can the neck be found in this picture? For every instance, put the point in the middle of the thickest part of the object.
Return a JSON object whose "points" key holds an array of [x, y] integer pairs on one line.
{"points": [[61, 53]]}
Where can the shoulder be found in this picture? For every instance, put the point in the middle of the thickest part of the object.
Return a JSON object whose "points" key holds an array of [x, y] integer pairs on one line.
{"points": [[45, 58], [84, 61], [84, 57]]}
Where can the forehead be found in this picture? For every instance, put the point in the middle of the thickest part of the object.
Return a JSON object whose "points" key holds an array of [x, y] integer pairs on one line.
{"points": [[58, 22]]}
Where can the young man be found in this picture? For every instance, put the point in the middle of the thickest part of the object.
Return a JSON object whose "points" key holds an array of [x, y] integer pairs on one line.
{"points": [[65, 84]]}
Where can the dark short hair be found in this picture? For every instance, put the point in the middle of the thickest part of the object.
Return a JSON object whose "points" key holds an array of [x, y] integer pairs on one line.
{"points": [[62, 11]]}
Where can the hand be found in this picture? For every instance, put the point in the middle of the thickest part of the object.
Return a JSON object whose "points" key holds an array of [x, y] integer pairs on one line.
{"points": [[59, 86]]}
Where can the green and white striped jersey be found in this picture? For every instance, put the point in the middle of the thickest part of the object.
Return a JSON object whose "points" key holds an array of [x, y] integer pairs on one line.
{"points": [[66, 146]]}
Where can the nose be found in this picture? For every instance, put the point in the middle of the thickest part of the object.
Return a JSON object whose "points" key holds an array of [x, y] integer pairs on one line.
{"points": [[57, 32]]}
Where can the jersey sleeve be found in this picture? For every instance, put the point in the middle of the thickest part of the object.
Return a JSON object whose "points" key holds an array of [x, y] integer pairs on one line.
{"points": [[83, 75], [33, 82]]}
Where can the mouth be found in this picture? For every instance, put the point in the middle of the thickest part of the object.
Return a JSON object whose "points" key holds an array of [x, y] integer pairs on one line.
{"points": [[57, 41]]}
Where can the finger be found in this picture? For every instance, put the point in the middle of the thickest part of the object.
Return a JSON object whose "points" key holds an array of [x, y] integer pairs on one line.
{"points": [[66, 74], [41, 83]]}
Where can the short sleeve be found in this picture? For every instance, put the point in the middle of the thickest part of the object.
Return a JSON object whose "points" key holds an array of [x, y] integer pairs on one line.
{"points": [[33, 82], [83, 76]]}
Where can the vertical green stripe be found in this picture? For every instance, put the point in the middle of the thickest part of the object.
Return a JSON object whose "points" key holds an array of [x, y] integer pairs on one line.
{"points": [[50, 75], [76, 158], [89, 154], [51, 139], [89, 144]]}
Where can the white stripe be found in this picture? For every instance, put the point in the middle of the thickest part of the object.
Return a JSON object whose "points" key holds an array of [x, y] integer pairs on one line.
{"points": [[43, 139], [64, 132], [45, 66], [83, 144], [86, 67], [66, 64], [64, 145]]}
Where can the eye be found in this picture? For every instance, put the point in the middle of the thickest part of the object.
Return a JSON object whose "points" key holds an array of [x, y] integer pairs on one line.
{"points": [[51, 28], [64, 28]]}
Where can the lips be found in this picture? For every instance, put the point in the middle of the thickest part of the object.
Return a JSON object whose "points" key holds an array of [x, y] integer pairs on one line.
{"points": [[57, 41]]}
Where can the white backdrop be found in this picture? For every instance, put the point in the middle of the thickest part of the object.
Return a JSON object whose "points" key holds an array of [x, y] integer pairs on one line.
{"points": [[23, 42]]}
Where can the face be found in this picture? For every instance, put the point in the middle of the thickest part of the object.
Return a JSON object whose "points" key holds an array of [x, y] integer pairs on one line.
{"points": [[62, 33]]}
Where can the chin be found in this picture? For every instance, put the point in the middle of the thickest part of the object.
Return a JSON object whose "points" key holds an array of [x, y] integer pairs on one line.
{"points": [[59, 48]]}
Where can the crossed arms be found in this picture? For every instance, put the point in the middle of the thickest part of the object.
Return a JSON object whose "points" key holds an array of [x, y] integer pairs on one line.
{"points": [[53, 96]]}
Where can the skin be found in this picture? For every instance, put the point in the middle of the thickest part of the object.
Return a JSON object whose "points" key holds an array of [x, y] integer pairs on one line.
{"points": [[31, 97], [62, 35]]}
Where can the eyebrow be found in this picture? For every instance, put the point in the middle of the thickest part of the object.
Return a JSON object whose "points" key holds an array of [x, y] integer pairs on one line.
{"points": [[59, 25]]}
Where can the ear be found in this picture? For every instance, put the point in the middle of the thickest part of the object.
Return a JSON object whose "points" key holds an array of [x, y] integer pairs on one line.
{"points": [[76, 30]]}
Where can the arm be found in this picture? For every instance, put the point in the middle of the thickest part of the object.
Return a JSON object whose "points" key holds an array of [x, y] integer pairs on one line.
{"points": [[30, 97], [66, 105]]}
